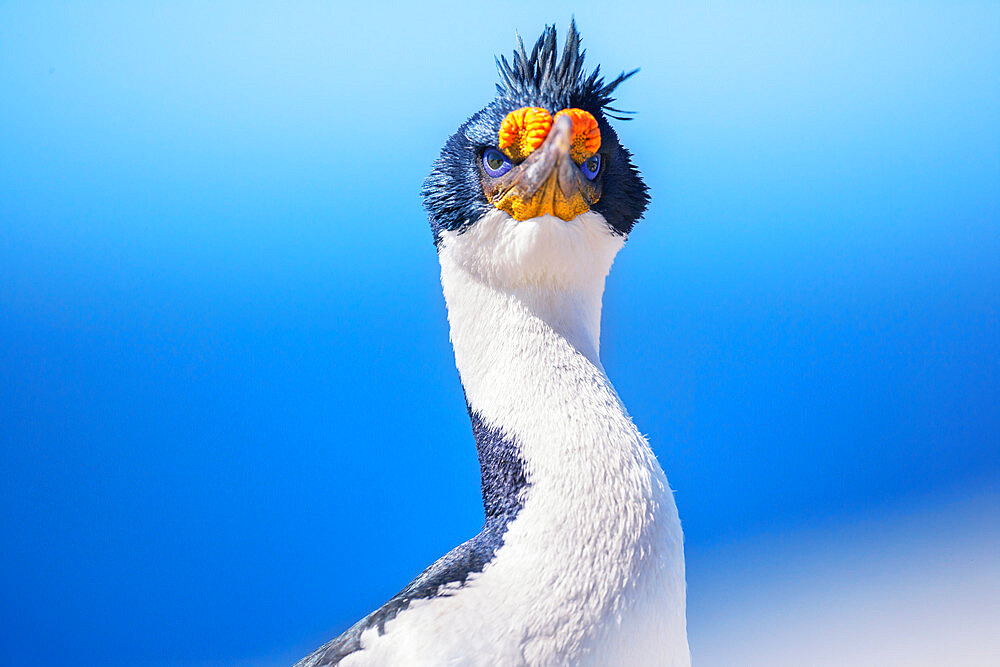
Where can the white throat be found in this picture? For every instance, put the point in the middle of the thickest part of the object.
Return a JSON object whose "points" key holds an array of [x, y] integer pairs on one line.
{"points": [[530, 276]]}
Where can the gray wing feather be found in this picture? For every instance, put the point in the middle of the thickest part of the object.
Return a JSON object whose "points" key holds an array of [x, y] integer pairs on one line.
{"points": [[455, 566]]}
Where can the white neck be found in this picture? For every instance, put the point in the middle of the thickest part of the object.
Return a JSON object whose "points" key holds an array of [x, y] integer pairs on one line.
{"points": [[510, 285], [598, 531]]}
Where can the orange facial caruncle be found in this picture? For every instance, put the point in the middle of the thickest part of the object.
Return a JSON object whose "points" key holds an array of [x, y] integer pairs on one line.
{"points": [[586, 134], [523, 130]]}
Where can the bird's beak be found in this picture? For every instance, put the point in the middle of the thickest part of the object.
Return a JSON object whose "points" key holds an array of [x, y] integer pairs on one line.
{"points": [[548, 181]]}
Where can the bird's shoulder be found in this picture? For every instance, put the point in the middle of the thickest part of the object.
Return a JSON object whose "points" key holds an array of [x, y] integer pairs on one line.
{"points": [[443, 578]]}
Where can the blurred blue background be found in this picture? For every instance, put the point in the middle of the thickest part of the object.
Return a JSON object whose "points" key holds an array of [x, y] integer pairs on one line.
{"points": [[230, 418]]}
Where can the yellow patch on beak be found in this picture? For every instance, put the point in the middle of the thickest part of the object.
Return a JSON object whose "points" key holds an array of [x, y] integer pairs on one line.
{"points": [[549, 199]]}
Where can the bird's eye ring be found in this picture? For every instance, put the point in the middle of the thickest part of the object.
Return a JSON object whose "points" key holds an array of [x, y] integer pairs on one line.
{"points": [[495, 163], [591, 167]]}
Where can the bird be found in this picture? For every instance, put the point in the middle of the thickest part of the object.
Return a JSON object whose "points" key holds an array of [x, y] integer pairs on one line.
{"points": [[580, 559]]}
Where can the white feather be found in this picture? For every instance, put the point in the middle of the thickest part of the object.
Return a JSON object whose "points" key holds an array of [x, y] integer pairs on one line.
{"points": [[592, 569]]}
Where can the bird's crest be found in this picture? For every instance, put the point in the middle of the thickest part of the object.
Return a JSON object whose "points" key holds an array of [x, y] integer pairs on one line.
{"points": [[541, 74]]}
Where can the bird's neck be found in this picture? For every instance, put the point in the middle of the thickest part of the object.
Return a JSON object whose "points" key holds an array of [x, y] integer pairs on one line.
{"points": [[512, 347], [508, 340], [543, 411], [572, 490], [577, 507]]}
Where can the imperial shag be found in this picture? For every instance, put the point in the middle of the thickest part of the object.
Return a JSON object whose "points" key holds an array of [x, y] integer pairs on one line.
{"points": [[580, 560]]}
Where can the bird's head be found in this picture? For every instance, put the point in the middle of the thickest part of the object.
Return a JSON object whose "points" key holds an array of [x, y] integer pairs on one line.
{"points": [[535, 187]]}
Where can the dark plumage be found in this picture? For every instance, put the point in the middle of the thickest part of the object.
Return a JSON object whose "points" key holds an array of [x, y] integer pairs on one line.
{"points": [[452, 193]]}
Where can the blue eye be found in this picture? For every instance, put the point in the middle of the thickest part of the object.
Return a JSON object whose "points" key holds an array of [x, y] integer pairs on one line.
{"points": [[591, 166], [495, 162]]}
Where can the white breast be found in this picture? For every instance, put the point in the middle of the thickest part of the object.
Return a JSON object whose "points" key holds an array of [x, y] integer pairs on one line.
{"points": [[591, 570]]}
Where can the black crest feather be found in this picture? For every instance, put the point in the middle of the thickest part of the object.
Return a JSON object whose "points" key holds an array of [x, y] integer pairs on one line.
{"points": [[545, 72]]}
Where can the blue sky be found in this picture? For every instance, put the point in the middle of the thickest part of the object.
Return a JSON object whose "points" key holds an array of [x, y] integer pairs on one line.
{"points": [[229, 412]]}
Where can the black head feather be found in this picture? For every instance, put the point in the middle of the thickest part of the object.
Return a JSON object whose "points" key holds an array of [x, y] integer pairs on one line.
{"points": [[541, 76], [452, 192]]}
